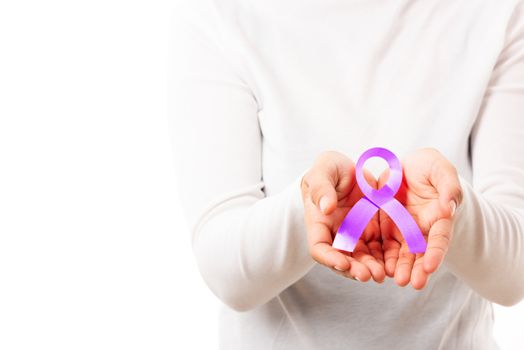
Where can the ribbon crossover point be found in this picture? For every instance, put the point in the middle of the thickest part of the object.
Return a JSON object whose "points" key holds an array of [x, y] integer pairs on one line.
{"points": [[384, 198]]}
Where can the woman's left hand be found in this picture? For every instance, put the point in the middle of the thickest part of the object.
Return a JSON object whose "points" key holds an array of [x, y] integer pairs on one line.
{"points": [[431, 192]]}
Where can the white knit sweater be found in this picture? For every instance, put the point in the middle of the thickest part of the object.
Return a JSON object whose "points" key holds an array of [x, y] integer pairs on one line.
{"points": [[261, 87]]}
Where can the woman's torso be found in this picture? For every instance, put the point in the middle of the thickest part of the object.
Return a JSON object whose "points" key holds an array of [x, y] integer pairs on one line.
{"points": [[347, 75]]}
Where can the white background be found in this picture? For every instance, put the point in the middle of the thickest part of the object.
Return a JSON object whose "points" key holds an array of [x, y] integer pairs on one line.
{"points": [[94, 253]]}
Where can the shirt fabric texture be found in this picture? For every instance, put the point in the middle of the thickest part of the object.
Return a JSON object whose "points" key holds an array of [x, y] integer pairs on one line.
{"points": [[259, 88]]}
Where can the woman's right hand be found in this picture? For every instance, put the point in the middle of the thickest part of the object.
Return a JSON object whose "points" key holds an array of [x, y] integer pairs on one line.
{"points": [[328, 193]]}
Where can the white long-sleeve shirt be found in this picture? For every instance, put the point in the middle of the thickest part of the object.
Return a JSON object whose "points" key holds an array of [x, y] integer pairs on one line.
{"points": [[260, 87]]}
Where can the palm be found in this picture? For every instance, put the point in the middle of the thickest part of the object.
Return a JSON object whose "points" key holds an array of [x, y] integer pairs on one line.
{"points": [[367, 259], [422, 200], [430, 191], [368, 249]]}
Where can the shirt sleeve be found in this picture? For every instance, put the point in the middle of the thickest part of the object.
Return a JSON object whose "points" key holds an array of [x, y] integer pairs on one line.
{"points": [[248, 246], [487, 250]]}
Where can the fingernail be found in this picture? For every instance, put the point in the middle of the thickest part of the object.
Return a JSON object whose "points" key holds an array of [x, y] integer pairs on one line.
{"points": [[358, 279], [323, 204], [453, 207], [338, 268]]}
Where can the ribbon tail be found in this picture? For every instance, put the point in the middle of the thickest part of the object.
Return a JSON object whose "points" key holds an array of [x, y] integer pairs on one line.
{"points": [[406, 224], [354, 224]]}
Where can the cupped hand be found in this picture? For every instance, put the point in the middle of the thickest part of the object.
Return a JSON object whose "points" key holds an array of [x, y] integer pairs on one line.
{"points": [[328, 193], [431, 192]]}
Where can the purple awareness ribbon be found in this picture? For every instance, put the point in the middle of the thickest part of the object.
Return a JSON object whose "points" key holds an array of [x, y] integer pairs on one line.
{"points": [[358, 217]]}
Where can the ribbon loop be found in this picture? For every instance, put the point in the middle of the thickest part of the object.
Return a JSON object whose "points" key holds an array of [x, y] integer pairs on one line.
{"points": [[359, 216]]}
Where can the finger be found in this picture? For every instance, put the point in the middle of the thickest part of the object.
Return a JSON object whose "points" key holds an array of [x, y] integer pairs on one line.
{"points": [[404, 266], [375, 268], [391, 251], [369, 248], [438, 243], [391, 242], [375, 249], [331, 172], [320, 183], [319, 239], [370, 179], [358, 270], [419, 276], [362, 254], [383, 178], [446, 181]]}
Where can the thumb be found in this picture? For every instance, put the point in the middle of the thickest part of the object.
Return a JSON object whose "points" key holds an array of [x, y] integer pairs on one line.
{"points": [[447, 184], [332, 171], [322, 190]]}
